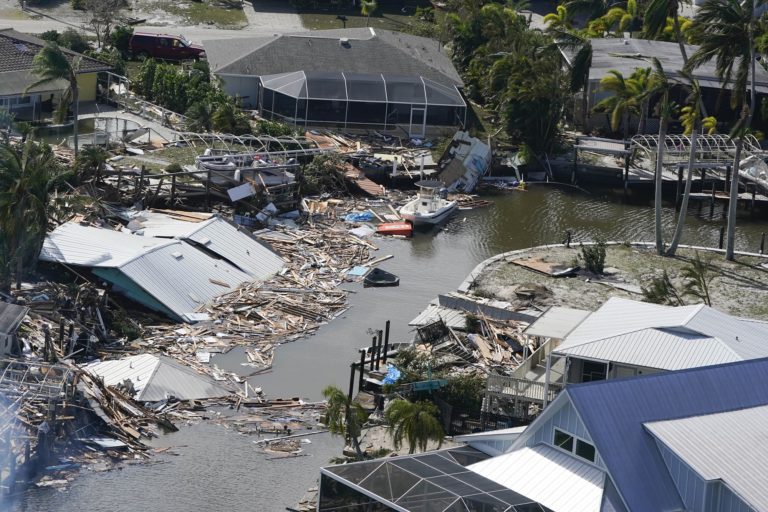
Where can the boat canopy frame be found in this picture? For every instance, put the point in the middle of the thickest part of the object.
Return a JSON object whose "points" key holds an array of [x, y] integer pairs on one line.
{"points": [[716, 149]]}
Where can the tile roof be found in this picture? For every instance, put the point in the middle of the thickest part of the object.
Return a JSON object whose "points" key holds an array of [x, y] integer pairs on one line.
{"points": [[614, 413], [366, 52], [17, 51]]}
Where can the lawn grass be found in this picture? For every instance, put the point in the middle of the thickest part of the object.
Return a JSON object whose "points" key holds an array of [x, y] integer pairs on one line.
{"points": [[221, 13], [394, 15]]}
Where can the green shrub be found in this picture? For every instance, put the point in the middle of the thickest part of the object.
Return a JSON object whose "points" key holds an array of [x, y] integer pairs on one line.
{"points": [[74, 41], [50, 35], [594, 257], [120, 37]]}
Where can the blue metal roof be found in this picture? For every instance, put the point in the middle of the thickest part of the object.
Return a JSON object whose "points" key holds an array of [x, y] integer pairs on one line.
{"points": [[614, 413]]}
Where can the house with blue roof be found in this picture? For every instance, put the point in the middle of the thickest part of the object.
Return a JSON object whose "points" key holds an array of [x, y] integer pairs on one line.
{"points": [[689, 440]]}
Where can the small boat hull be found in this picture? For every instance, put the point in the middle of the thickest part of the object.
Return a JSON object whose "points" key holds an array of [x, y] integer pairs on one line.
{"points": [[378, 277], [395, 228], [436, 217]]}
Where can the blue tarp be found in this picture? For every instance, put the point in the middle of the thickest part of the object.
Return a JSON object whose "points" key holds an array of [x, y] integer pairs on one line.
{"points": [[393, 375], [365, 216]]}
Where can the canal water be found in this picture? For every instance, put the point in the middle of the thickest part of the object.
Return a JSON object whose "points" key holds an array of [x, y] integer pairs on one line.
{"points": [[218, 469]]}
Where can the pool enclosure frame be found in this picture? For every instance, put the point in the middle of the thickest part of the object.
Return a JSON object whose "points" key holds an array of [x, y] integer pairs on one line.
{"points": [[354, 100]]}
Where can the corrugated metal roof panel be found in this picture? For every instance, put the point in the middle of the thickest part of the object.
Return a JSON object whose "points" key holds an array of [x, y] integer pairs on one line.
{"points": [[728, 446], [656, 348], [452, 318], [87, 246], [551, 477], [556, 322], [665, 337], [156, 377], [218, 236], [620, 316], [614, 413], [182, 277]]}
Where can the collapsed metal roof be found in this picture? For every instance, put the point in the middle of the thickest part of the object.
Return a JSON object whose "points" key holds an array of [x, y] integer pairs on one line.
{"points": [[171, 276], [216, 235], [156, 378]]}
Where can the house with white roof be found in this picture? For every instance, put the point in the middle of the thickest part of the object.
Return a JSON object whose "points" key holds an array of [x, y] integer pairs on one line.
{"points": [[689, 440], [623, 338]]}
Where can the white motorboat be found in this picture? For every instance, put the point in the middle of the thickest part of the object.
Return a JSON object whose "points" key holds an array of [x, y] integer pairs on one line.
{"points": [[429, 207]]}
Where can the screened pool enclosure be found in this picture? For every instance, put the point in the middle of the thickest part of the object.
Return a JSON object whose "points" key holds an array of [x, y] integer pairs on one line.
{"points": [[353, 100]]}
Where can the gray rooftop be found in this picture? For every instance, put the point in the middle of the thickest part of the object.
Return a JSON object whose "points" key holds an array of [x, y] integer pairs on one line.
{"points": [[665, 337], [365, 51], [626, 55], [728, 446], [556, 322]]}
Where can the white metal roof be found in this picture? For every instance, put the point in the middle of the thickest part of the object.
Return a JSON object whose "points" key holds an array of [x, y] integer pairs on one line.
{"points": [[156, 377], [451, 317], [218, 236], [665, 337], [182, 277], [556, 322], [174, 272], [88, 246], [729, 446], [548, 476]]}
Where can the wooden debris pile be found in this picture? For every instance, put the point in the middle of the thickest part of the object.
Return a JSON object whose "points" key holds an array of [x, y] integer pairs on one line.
{"points": [[284, 308], [494, 345]]}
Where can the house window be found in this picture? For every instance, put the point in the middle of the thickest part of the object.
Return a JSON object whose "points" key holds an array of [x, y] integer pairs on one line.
{"points": [[570, 443], [585, 450], [563, 440]]}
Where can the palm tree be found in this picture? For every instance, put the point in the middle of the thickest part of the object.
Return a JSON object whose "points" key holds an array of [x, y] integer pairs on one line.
{"points": [[50, 64], [725, 31], [561, 19], [415, 422], [693, 120], [655, 21], [91, 162], [623, 101], [622, 19], [199, 117], [28, 176], [661, 86], [592, 8], [367, 8], [344, 417], [581, 49]]}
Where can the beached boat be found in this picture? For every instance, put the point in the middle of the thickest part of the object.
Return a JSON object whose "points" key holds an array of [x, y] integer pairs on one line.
{"points": [[395, 228], [378, 277], [429, 207]]}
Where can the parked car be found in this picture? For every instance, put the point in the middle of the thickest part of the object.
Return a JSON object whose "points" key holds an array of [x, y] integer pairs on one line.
{"points": [[163, 46]]}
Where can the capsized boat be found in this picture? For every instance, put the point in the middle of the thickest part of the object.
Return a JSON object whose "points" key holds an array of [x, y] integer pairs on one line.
{"points": [[429, 207], [378, 277]]}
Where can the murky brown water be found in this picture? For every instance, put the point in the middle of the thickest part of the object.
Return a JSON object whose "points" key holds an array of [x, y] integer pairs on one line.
{"points": [[220, 470]]}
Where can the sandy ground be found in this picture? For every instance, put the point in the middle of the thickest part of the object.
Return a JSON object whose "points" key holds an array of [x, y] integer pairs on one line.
{"points": [[264, 17], [739, 288]]}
